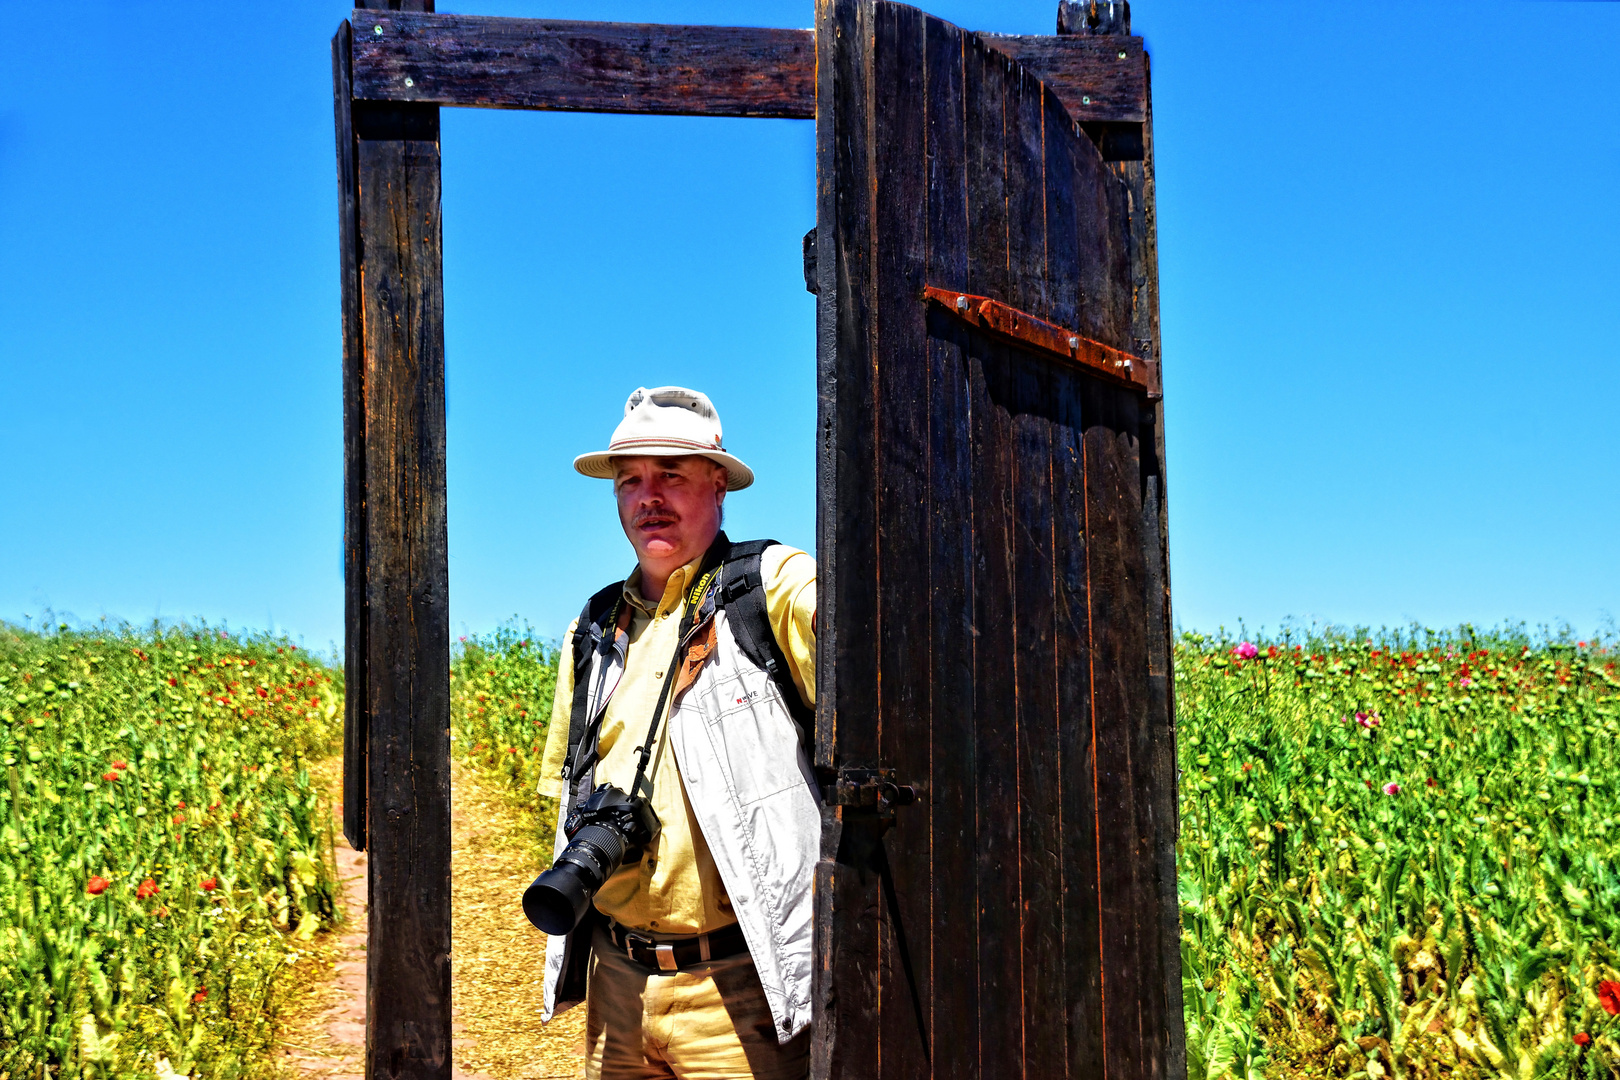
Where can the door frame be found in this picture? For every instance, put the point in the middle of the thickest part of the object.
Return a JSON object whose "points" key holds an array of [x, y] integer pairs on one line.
{"points": [[395, 64]]}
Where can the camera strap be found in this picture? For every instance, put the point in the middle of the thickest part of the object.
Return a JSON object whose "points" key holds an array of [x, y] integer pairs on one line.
{"points": [[694, 604]]}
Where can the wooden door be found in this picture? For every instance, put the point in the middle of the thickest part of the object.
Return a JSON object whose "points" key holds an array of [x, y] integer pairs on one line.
{"points": [[993, 621]]}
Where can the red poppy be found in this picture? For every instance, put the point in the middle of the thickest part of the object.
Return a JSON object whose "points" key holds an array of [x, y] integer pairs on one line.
{"points": [[263, 692], [179, 819], [209, 884], [182, 804], [1608, 992], [146, 889], [120, 764], [111, 778], [202, 992], [173, 683], [1582, 1039], [96, 885]]}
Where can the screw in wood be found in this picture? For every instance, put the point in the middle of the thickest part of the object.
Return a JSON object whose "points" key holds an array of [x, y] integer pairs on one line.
{"points": [[1122, 55], [1074, 343], [961, 303], [376, 30], [409, 81], [1085, 101]]}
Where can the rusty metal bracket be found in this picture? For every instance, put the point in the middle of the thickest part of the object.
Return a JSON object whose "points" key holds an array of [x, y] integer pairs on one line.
{"points": [[874, 790], [1060, 342]]}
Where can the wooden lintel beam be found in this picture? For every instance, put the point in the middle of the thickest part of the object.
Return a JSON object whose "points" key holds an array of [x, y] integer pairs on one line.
{"points": [[506, 63]]}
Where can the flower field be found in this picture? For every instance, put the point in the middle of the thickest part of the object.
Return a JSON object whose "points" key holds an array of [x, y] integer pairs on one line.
{"points": [[1396, 859], [1399, 858], [501, 687], [163, 851]]}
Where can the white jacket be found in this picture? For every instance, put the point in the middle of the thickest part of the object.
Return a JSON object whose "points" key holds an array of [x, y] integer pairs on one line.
{"points": [[754, 796]]}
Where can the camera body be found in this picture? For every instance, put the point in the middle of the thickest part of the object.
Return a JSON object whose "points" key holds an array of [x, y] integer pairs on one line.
{"points": [[603, 831]]}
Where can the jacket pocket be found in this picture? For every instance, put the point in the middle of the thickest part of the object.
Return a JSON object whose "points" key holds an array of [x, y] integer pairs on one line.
{"points": [[754, 739]]}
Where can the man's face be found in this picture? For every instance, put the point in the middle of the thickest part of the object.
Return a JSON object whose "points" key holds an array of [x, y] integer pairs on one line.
{"points": [[669, 507]]}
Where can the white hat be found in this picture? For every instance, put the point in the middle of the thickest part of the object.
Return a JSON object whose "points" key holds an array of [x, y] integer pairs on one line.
{"points": [[667, 421]]}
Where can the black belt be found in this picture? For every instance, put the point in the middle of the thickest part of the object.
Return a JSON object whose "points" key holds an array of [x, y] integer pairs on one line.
{"points": [[679, 953]]}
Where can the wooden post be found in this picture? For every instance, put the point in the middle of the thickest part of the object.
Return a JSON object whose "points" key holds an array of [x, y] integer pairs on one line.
{"points": [[397, 776]]}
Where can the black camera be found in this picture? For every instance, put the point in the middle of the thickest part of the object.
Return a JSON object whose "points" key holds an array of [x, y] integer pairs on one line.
{"points": [[603, 831]]}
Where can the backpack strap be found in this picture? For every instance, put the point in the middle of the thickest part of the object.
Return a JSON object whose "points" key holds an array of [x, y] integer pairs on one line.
{"points": [[742, 594], [591, 636]]}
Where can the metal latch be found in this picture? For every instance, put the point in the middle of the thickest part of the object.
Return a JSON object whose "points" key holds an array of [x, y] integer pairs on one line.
{"points": [[869, 789]]}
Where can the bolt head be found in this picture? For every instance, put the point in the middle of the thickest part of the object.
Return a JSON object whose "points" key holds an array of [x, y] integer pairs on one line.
{"points": [[1074, 343], [961, 303], [409, 81], [377, 30]]}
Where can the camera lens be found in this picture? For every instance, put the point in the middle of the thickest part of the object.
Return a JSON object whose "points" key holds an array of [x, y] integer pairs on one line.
{"points": [[559, 897]]}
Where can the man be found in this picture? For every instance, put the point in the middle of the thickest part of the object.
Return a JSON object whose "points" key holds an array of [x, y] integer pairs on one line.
{"points": [[699, 965]]}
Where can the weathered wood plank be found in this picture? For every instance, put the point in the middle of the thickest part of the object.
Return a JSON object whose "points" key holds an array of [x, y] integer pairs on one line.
{"points": [[996, 855], [1040, 780], [1115, 589], [1138, 179], [356, 729], [1087, 73], [507, 63], [1025, 187], [1082, 960], [952, 789], [900, 381], [984, 79], [849, 914], [407, 603]]}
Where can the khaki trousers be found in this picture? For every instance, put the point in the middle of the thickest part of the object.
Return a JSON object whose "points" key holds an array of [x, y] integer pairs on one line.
{"points": [[706, 1022]]}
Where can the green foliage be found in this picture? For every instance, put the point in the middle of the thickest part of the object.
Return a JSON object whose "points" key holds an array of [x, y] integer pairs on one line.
{"points": [[1399, 857], [502, 685], [162, 847]]}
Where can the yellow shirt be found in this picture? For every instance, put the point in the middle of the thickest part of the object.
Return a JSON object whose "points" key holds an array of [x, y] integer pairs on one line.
{"points": [[675, 888]]}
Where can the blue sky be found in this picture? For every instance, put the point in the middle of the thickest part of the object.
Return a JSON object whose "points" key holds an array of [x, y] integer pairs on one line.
{"points": [[1387, 259]]}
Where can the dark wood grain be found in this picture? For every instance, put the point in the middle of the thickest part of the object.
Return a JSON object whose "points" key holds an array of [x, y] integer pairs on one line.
{"points": [[996, 856], [508, 63], [849, 951], [1087, 74], [1119, 668], [1024, 183], [1040, 779], [1137, 177], [986, 582], [900, 381], [984, 80], [356, 728], [952, 791], [1082, 959], [407, 602]]}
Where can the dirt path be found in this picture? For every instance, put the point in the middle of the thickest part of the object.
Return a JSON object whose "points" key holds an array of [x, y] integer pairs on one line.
{"points": [[496, 970]]}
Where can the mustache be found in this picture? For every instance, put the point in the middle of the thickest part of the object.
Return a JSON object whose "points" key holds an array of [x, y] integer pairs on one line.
{"points": [[661, 514]]}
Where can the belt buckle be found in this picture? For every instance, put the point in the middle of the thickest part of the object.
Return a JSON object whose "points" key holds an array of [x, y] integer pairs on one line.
{"points": [[632, 939], [666, 958]]}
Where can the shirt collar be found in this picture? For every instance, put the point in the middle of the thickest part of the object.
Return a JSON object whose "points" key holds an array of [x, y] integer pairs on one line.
{"points": [[674, 589]]}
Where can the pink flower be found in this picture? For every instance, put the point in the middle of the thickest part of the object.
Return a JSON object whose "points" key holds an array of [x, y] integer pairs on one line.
{"points": [[1245, 651], [1367, 720], [1392, 788], [1465, 681]]}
